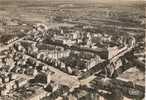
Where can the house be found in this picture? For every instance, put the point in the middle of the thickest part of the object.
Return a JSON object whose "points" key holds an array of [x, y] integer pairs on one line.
{"points": [[20, 82]]}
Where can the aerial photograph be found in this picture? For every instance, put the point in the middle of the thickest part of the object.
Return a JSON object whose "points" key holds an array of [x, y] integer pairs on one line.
{"points": [[72, 49]]}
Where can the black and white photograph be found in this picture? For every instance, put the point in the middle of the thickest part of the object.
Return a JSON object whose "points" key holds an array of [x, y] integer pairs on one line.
{"points": [[72, 49]]}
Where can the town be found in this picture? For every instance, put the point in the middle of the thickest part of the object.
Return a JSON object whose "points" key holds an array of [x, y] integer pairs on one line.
{"points": [[70, 61]]}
